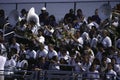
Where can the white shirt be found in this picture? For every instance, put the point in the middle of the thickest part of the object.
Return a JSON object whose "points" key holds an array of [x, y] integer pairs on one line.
{"points": [[117, 68], [107, 42], [94, 75], [41, 39], [31, 54], [2, 62], [93, 24], [42, 53], [93, 42], [49, 33], [10, 65], [2, 47], [16, 46], [110, 74], [118, 43], [99, 55], [66, 57], [35, 30], [51, 54]]}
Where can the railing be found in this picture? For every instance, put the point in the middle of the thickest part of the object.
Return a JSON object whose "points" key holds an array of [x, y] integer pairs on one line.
{"points": [[52, 75]]}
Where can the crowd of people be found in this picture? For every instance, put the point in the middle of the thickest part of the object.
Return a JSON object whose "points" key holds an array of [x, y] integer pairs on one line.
{"points": [[77, 43]]}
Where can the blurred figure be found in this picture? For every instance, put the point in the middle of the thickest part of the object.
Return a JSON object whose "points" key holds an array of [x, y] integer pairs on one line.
{"points": [[69, 17], [2, 18], [44, 16], [51, 52], [96, 17], [52, 21], [23, 14], [107, 42], [110, 73], [2, 64], [93, 73]]}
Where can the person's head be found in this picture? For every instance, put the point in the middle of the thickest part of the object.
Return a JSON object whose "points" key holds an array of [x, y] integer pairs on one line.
{"points": [[104, 33], [13, 51], [86, 59], [41, 59], [113, 61], [32, 23], [79, 12], [77, 34], [41, 46], [23, 12], [63, 61], [40, 32], [63, 51], [52, 18], [2, 13], [71, 11], [89, 19], [110, 66], [96, 11], [22, 47], [55, 58], [43, 9], [13, 40], [93, 67], [51, 47]]}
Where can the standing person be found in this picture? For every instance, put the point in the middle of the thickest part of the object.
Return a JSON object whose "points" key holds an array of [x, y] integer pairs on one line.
{"points": [[107, 42], [69, 17], [80, 19], [15, 45], [51, 52], [110, 73], [23, 14], [77, 40], [2, 63], [96, 17], [2, 18], [93, 73], [43, 16]]}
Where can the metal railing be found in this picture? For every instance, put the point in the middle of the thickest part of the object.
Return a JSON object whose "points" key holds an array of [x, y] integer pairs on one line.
{"points": [[52, 75]]}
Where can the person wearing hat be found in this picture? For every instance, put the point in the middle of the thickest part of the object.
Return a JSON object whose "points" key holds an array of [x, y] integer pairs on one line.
{"points": [[43, 16]]}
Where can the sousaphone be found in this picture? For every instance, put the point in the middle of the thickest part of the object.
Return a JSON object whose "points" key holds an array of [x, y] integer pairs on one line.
{"points": [[32, 16], [13, 17]]}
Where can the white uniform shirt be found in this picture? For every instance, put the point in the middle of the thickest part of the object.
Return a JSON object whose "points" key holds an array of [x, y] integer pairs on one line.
{"points": [[111, 74], [10, 64], [93, 42], [42, 53], [49, 33], [51, 54], [35, 30], [31, 54], [2, 64], [94, 75], [16, 46], [66, 57], [107, 42], [41, 39], [118, 43], [2, 47]]}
